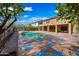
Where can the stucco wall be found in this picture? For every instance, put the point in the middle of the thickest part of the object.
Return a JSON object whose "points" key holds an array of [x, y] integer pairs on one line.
{"points": [[74, 29]]}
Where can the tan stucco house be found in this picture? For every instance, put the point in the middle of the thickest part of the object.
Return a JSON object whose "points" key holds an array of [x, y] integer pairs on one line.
{"points": [[52, 25]]}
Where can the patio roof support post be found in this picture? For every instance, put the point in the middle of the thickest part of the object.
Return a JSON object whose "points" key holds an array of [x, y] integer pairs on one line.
{"points": [[56, 28], [48, 28], [42, 28], [38, 28], [69, 29]]}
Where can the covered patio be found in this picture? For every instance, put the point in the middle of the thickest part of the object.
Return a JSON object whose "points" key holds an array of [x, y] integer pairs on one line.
{"points": [[52, 28], [45, 28], [58, 28], [64, 28]]}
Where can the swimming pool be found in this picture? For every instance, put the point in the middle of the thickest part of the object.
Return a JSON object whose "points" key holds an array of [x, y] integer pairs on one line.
{"points": [[42, 44], [32, 35]]}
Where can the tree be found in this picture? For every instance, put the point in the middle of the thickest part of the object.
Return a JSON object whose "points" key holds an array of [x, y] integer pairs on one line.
{"points": [[9, 12], [69, 11], [8, 16]]}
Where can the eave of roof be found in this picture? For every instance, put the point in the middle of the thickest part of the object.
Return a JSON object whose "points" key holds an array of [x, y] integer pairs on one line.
{"points": [[45, 20]]}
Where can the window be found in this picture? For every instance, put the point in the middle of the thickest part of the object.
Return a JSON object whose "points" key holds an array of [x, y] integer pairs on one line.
{"points": [[48, 21], [64, 28], [40, 22], [52, 27]]}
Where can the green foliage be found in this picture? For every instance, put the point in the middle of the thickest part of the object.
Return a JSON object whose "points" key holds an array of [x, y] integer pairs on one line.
{"points": [[69, 11], [32, 28], [78, 29], [8, 13], [20, 26], [10, 8]]}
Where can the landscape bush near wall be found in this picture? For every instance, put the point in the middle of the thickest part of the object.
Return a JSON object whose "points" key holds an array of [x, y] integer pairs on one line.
{"points": [[26, 28]]}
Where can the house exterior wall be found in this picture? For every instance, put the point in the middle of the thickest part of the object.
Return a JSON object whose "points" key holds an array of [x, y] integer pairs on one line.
{"points": [[71, 29], [53, 21], [74, 29]]}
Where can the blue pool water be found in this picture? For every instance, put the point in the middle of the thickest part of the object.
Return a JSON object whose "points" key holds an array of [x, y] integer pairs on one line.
{"points": [[32, 36], [39, 38]]}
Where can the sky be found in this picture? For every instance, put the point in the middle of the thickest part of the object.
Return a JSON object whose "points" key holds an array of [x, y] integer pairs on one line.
{"points": [[34, 12]]}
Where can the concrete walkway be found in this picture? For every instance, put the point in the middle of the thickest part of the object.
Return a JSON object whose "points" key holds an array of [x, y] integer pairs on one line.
{"points": [[69, 42], [11, 45]]}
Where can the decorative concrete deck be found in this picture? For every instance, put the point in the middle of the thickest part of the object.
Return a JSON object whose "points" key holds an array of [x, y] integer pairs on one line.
{"points": [[67, 45]]}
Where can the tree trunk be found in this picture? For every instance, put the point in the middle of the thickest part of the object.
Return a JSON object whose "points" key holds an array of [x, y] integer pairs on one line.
{"points": [[8, 26], [5, 21], [11, 24]]}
